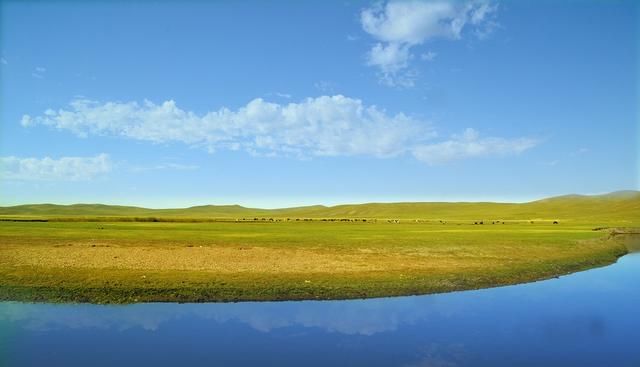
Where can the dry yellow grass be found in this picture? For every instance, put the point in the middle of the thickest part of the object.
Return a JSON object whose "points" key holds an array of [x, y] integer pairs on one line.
{"points": [[241, 259]]}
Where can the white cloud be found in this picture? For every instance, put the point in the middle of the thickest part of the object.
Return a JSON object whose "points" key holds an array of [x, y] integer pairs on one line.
{"points": [[3, 61], [322, 126], [471, 145], [399, 26], [390, 58], [49, 169]]}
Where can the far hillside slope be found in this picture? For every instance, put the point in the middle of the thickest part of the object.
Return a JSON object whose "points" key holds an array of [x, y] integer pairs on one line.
{"points": [[621, 206]]}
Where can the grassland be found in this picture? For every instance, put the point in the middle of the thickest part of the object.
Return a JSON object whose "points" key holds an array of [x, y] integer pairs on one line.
{"points": [[98, 254]]}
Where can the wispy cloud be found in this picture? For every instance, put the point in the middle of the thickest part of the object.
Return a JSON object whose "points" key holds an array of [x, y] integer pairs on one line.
{"points": [[166, 166], [38, 72], [49, 169], [322, 126], [326, 86], [470, 144], [283, 95], [400, 26], [579, 152], [3, 61], [428, 56]]}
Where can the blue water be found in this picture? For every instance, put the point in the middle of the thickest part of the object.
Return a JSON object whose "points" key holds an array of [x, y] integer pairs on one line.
{"points": [[590, 318]]}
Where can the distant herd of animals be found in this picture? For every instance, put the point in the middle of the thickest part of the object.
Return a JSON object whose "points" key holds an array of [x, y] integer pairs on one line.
{"points": [[394, 221], [498, 222], [255, 219]]}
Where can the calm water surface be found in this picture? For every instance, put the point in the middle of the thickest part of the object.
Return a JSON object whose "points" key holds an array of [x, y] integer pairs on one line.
{"points": [[586, 319]]}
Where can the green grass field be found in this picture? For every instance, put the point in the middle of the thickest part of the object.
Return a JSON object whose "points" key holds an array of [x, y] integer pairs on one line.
{"points": [[94, 254]]}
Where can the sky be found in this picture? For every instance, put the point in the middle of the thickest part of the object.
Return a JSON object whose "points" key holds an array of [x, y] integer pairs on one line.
{"points": [[286, 103]]}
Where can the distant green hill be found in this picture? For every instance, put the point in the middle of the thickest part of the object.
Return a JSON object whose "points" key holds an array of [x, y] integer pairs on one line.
{"points": [[621, 206]]}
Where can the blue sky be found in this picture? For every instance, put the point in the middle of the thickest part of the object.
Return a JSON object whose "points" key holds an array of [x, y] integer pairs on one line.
{"points": [[166, 104]]}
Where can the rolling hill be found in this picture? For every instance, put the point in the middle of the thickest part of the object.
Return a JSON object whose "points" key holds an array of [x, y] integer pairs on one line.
{"points": [[616, 206]]}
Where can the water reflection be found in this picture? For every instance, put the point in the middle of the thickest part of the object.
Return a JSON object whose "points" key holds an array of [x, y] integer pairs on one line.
{"points": [[586, 319], [364, 317]]}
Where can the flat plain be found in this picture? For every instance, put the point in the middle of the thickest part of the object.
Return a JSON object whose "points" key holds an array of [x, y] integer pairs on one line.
{"points": [[104, 254]]}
